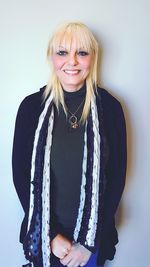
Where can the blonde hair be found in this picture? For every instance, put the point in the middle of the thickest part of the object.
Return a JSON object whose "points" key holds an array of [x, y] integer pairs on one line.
{"points": [[84, 38]]}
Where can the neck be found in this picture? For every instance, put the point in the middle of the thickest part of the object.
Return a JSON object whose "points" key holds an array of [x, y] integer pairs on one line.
{"points": [[75, 94], [72, 88]]}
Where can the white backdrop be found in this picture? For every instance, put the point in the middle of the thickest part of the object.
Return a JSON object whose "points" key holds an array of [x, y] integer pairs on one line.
{"points": [[123, 29]]}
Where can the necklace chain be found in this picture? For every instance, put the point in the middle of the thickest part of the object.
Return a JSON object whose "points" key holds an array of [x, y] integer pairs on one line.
{"points": [[73, 120]]}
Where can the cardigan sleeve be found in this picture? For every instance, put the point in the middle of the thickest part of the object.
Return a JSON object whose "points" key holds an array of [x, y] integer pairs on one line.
{"points": [[21, 175], [116, 166], [26, 123], [115, 171]]}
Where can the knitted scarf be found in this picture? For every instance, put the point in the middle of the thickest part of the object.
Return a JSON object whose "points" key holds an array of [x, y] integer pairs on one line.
{"points": [[37, 240]]}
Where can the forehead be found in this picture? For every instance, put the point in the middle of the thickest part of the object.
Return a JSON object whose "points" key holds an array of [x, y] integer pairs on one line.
{"points": [[70, 40], [71, 46]]}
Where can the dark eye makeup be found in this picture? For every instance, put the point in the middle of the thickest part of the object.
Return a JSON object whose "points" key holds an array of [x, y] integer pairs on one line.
{"points": [[83, 53], [62, 53], [79, 53]]}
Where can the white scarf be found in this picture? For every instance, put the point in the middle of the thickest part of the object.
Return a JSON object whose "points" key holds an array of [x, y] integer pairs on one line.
{"points": [[38, 234]]}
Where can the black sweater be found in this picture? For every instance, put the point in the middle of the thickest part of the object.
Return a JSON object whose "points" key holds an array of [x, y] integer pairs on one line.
{"points": [[66, 161], [114, 127]]}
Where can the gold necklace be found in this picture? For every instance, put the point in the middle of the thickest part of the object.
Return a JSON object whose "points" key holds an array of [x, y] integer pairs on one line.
{"points": [[73, 120]]}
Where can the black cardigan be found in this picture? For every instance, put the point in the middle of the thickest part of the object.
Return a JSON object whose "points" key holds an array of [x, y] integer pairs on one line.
{"points": [[115, 131]]}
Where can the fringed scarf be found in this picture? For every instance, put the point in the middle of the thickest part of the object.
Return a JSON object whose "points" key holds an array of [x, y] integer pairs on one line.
{"points": [[37, 241]]}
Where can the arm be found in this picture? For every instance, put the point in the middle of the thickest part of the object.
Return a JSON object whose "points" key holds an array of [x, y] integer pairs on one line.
{"points": [[25, 126], [116, 166], [26, 123], [115, 128], [21, 175]]}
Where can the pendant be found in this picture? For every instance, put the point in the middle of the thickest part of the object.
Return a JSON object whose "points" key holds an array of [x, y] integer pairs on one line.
{"points": [[73, 121]]}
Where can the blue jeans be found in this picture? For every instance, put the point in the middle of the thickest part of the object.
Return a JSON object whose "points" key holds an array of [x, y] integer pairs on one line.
{"points": [[92, 261]]}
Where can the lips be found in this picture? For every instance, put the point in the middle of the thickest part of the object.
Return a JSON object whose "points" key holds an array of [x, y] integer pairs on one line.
{"points": [[72, 72]]}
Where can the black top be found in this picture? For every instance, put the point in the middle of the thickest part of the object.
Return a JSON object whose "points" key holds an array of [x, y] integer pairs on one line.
{"points": [[66, 161], [115, 130]]}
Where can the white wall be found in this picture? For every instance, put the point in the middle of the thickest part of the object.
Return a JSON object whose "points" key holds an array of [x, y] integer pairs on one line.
{"points": [[123, 28]]}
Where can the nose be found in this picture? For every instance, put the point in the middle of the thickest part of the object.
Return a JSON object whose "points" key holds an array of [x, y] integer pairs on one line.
{"points": [[73, 59]]}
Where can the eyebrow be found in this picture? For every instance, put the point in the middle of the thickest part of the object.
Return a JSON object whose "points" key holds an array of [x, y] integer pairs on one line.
{"points": [[60, 46]]}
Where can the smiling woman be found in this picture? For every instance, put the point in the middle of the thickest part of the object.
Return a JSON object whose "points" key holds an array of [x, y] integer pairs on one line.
{"points": [[72, 67], [69, 158], [73, 56]]}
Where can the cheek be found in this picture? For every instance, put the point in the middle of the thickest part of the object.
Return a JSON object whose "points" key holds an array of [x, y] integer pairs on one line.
{"points": [[57, 63], [86, 64]]}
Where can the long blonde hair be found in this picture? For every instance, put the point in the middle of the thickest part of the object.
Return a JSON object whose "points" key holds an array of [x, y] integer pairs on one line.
{"points": [[84, 38]]}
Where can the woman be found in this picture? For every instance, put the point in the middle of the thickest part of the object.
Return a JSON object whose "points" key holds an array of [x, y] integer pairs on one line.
{"points": [[69, 158]]}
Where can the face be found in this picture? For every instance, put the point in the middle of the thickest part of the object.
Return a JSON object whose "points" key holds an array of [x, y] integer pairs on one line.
{"points": [[71, 66]]}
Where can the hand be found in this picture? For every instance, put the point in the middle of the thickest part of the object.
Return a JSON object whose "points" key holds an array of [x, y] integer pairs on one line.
{"points": [[77, 256], [60, 246]]}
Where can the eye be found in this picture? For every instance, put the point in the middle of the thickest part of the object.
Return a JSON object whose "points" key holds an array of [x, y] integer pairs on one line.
{"points": [[61, 53], [83, 53]]}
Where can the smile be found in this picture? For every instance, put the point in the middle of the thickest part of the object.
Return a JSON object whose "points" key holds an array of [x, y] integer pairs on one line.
{"points": [[72, 72]]}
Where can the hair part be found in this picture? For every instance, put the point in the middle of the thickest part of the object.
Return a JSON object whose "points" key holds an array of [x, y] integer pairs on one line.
{"points": [[66, 33]]}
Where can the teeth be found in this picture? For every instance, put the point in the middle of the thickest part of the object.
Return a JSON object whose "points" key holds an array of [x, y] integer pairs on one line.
{"points": [[71, 71]]}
